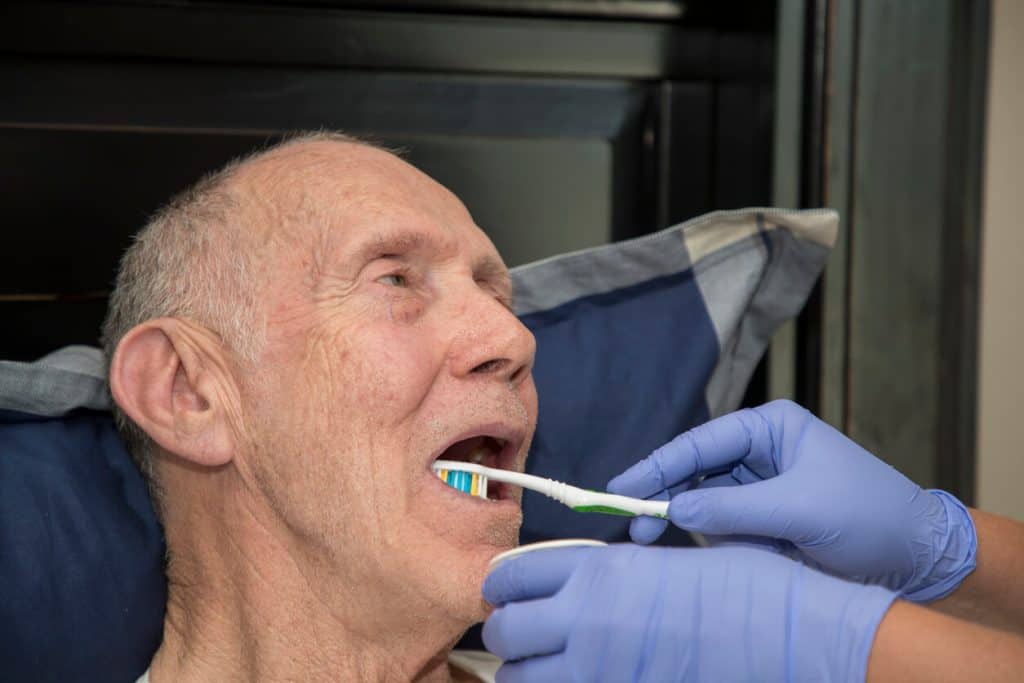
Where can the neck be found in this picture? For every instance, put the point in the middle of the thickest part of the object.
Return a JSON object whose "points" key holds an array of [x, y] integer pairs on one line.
{"points": [[247, 602]]}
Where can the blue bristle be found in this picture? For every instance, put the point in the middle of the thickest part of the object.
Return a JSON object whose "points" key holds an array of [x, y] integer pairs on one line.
{"points": [[459, 480]]}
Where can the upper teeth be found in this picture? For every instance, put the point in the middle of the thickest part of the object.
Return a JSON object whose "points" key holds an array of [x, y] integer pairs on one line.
{"points": [[478, 455]]}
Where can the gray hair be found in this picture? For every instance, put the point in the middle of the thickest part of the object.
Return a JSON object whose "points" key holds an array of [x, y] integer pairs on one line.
{"points": [[182, 263]]}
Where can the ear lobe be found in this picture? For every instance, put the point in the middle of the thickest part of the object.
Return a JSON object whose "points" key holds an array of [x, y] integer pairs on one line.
{"points": [[162, 378]]}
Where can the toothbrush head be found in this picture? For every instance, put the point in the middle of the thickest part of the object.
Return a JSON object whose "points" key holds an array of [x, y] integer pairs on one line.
{"points": [[468, 482]]}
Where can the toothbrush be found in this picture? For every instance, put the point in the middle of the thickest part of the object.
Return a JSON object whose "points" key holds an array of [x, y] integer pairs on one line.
{"points": [[472, 478]]}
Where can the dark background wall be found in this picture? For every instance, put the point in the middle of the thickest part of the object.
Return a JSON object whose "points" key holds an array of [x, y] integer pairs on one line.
{"points": [[561, 125]]}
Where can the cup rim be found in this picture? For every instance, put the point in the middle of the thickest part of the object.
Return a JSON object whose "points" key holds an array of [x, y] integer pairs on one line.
{"points": [[541, 545]]}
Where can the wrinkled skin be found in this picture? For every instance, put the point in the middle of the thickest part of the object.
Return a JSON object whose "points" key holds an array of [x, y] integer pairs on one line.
{"points": [[373, 363], [326, 546]]}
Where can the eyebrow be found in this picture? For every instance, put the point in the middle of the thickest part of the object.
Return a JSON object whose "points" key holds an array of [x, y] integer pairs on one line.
{"points": [[495, 273], [386, 244], [396, 243]]}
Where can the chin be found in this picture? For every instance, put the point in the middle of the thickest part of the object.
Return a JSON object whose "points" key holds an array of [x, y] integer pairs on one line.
{"points": [[466, 599], [475, 610]]}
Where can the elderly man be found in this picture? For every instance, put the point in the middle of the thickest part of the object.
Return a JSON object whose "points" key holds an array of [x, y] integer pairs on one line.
{"points": [[293, 342]]}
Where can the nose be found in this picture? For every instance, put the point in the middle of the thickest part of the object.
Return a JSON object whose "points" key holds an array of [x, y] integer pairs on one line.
{"points": [[489, 341]]}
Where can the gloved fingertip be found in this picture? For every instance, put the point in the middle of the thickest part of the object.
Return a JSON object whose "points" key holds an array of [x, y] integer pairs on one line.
{"points": [[488, 634], [615, 484], [532, 575], [633, 482], [495, 587], [687, 509], [645, 530]]}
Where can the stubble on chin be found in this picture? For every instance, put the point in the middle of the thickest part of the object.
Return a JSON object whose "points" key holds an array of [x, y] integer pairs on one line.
{"points": [[500, 535], [503, 534]]}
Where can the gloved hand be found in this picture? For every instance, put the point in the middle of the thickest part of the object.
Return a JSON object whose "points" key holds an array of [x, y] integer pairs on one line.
{"points": [[629, 613], [804, 488]]}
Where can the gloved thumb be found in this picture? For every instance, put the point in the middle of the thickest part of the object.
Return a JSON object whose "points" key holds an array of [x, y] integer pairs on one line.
{"points": [[532, 576], [759, 509], [646, 530]]}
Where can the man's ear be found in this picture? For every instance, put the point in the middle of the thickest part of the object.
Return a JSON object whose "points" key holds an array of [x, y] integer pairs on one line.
{"points": [[169, 376]]}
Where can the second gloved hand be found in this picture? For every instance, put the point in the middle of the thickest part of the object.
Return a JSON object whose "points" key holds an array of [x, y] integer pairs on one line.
{"points": [[629, 613], [803, 487]]}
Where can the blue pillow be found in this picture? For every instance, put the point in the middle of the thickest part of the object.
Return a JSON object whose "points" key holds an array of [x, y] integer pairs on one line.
{"points": [[82, 588], [641, 340], [636, 342]]}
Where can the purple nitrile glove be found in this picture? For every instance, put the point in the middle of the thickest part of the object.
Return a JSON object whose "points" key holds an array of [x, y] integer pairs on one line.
{"points": [[629, 613], [802, 487]]}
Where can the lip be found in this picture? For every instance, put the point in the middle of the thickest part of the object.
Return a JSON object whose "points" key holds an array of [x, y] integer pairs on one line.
{"points": [[508, 459]]}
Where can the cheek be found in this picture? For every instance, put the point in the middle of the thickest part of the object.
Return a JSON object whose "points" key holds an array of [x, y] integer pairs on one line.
{"points": [[383, 370], [405, 311], [529, 394]]}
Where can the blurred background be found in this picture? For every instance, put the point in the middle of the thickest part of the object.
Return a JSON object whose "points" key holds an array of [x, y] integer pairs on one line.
{"points": [[569, 123]]}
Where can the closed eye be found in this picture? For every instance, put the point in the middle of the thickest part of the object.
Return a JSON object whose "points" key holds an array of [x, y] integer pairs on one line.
{"points": [[497, 292]]}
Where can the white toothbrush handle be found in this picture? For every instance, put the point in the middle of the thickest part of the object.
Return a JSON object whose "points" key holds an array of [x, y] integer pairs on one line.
{"points": [[576, 497], [567, 494]]}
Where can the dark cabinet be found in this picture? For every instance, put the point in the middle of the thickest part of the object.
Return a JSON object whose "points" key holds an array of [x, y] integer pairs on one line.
{"points": [[558, 132]]}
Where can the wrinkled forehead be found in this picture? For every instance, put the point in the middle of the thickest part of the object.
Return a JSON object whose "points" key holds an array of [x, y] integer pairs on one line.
{"points": [[332, 203]]}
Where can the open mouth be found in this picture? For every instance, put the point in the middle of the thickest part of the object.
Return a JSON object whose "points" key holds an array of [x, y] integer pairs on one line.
{"points": [[486, 450]]}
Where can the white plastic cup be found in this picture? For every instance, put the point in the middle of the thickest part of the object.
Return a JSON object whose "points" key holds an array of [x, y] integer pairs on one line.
{"points": [[542, 545]]}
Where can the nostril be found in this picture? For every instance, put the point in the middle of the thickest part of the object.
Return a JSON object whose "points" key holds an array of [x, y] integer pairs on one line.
{"points": [[491, 366], [519, 374]]}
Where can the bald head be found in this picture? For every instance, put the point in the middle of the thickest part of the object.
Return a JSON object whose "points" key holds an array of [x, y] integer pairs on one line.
{"points": [[200, 256], [314, 190]]}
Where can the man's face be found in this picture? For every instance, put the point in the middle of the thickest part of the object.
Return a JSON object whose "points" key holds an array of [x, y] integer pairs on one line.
{"points": [[390, 339]]}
